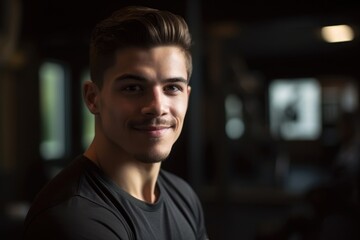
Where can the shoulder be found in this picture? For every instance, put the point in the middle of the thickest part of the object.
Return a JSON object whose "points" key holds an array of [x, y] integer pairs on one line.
{"points": [[171, 180], [179, 190], [60, 188], [181, 195], [77, 218], [72, 204]]}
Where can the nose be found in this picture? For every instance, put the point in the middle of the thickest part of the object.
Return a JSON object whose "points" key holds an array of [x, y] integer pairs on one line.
{"points": [[155, 103]]}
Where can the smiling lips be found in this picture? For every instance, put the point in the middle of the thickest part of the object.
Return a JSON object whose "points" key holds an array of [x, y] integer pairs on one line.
{"points": [[153, 130], [155, 127]]}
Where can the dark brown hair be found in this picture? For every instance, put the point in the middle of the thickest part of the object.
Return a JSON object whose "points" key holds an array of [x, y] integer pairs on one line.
{"points": [[136, 26]]}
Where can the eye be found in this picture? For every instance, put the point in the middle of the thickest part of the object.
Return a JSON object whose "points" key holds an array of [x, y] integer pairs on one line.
{"points": [[132, 88], [173, 88]]}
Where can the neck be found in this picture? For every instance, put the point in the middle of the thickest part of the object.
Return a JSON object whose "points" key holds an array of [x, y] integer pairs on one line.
{"points": [[135, 177]]}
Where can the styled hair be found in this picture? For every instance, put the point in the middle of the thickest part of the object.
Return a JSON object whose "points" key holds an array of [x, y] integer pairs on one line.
{"points": [[136, 26]]}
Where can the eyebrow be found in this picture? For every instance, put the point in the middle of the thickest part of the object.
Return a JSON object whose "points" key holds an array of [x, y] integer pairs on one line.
{"points": [[143, 79]]}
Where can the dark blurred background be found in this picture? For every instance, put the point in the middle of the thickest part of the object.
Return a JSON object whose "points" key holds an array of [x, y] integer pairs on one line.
{"points": [[271, 140]]}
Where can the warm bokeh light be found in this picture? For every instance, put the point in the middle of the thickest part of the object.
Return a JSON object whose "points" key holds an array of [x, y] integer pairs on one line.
{"points": [[337, 33]]}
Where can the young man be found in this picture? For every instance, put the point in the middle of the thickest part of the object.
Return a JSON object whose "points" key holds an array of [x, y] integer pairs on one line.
{"points": [[140, 68]]}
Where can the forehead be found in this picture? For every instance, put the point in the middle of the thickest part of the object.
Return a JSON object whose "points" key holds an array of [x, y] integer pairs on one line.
{"points": [[156, 62], [147, 55]]}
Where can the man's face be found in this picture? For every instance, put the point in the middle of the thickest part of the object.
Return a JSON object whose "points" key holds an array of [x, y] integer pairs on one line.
{"points": [[142, 104]]}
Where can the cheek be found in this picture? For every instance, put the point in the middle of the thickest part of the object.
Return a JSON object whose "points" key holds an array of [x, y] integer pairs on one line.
{"points": [[120, 112], [112, 111], [180, 108]]}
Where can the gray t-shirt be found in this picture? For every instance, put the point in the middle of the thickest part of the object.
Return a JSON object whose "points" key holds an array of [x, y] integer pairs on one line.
{"points": [[83, 203]]}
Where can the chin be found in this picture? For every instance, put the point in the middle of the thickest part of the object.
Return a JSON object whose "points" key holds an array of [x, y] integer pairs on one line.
{"points": [[152, 157]]}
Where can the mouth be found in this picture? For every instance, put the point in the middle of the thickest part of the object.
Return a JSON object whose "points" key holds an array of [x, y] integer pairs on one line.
{"points": [[153, 128], [154, 131]]}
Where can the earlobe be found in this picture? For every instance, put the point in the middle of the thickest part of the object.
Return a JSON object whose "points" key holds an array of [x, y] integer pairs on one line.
{"points": [[91, 95]]}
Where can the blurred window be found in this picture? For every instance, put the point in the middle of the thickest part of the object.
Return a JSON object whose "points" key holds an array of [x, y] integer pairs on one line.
{"points": [[52, 76], [295, 108]]}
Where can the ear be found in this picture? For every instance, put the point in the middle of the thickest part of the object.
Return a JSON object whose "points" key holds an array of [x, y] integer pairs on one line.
{"points": [[91, 96]]}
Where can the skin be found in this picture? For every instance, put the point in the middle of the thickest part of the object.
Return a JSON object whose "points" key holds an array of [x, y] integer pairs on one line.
{"points": [[139, 114]]}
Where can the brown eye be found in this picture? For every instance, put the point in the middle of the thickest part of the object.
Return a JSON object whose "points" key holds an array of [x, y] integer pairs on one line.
{"points": [[174, 88], [132, 88]]}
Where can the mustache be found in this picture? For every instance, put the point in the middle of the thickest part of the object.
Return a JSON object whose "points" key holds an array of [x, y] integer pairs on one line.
{"points": [[153, 122]]}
